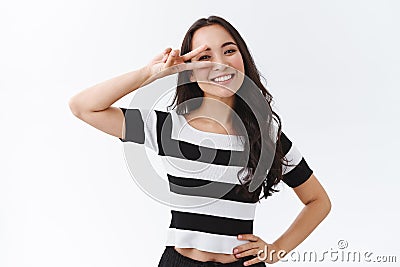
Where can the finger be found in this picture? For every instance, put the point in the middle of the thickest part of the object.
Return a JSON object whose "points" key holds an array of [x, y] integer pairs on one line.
{"points": [[159, 57], [180, 67], [165, 57], [251, 262], [194, 52], [250, 252], [165, 54], [249, 237], [198, 65], [245, 247], [175, 69], [171, 58]]}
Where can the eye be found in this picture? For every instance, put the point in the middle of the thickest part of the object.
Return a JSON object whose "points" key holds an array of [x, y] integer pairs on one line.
{"points": [[230, 51], [204, 57]]}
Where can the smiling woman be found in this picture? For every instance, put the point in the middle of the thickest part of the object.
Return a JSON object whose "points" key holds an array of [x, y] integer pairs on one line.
{"points": [[221, 48], [221, 232]]}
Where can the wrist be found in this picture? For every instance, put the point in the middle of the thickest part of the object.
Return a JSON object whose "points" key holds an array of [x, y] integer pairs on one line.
{"points": [[145, 72], [279, 249]]}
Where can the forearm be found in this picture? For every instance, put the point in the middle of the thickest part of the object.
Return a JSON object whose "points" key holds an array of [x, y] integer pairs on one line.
{"points": [[104, 94], [309, 218]]}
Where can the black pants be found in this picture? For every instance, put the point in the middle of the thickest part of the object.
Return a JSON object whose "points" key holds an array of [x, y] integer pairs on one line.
{"points": [[172, 258]]}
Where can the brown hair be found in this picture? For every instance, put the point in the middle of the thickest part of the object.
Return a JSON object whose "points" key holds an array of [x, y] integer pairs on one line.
{"points": [[187, 90]]}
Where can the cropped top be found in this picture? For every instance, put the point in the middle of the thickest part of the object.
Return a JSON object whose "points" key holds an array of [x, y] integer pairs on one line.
{"points": [[213, 226]]}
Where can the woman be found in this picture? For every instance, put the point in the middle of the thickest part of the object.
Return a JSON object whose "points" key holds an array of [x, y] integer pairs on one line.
{"points": [[219, 234]]}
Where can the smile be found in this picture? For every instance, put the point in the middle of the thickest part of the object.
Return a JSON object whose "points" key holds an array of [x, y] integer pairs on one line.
{"points": [[223, 79]]}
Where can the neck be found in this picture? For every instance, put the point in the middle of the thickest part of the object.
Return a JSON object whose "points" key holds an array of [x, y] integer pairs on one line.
{"points": [[217, 108]]}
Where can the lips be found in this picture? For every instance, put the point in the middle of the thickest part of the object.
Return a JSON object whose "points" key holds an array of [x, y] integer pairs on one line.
{"points": [[223, 78]]}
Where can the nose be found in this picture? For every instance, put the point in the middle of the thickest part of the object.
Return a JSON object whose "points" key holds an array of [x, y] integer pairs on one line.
{"points": [[218, 67], [219, 64]]}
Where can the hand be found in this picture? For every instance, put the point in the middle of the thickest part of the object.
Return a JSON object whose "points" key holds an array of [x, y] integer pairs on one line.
{"points": [[169, 62], [262, 251]]}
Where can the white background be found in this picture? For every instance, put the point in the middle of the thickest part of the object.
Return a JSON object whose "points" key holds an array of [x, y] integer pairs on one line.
{"points": [[66, 195]]}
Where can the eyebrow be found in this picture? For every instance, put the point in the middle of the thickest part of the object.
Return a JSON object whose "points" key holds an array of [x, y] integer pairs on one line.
{"points": [[223, 45]]}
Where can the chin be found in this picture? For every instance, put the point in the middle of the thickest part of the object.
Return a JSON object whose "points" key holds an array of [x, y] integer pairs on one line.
{"points": [[217, 91]]}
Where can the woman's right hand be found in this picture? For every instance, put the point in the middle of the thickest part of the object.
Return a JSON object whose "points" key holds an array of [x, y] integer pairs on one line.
{"points": [[169, 62]]}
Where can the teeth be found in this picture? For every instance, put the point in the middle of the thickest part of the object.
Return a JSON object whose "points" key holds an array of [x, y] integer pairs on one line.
{"points": [[223, 78]]}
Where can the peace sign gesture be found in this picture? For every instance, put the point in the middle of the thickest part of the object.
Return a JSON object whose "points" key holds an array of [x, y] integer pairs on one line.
{"points": [[169, 62]]}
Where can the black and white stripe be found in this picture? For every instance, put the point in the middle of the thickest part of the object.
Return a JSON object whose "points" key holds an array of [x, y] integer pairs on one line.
{"points": [[203, 166]]}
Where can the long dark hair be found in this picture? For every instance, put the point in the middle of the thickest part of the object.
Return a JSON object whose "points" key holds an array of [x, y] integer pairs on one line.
{"points": [[190, 90]]}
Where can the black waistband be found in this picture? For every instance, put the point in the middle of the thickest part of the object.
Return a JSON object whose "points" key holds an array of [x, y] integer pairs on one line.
{"points": [[181, 260]]}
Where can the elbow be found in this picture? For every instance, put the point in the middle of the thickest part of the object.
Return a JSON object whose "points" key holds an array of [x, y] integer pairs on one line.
{"points": [[74, 107], [322, 203], [326, 205]]}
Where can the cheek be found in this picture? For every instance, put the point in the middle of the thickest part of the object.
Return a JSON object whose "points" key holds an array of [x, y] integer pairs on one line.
{"points": [[237, 62], [200, 74]]}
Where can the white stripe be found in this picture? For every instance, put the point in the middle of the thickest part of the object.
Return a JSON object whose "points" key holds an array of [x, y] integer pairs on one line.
{"points": [[216, 207], [202, 241], [294, 157], [150, 128], [201, 170], [183, 131]]}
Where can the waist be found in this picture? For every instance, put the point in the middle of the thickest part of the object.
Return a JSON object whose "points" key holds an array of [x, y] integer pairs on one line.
{"points": [[204, 256], [210, 224]]}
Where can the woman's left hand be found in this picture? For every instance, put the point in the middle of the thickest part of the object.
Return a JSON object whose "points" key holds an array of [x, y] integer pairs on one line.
{"points": [[262, 251]]}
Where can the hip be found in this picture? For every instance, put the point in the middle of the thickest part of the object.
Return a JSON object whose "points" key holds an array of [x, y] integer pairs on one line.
{"points": [[172, 258]]}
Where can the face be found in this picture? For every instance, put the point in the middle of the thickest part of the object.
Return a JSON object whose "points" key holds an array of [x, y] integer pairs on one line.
{"points": [[225, 73]]}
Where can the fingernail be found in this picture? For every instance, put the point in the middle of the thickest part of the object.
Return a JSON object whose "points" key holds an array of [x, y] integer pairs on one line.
{"points": [[239, 236], [235, 250]]}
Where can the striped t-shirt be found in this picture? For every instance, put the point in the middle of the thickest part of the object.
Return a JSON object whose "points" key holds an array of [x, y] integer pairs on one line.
{"points": [[202, 177]]}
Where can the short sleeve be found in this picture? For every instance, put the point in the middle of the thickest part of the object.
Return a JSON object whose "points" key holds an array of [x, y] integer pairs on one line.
{"points": [[298, 170], [140, 127]]}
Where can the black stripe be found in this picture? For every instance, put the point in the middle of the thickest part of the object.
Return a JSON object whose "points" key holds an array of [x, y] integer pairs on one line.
{"points": [[286, 144], [134, 126], [217, 190], [163, 127], [298, 174], [184, 150], [210, 224]]}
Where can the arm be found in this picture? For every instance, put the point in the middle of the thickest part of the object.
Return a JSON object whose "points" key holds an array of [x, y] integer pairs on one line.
{"points": [[317, 207], [93, 105], [101, 96]]}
